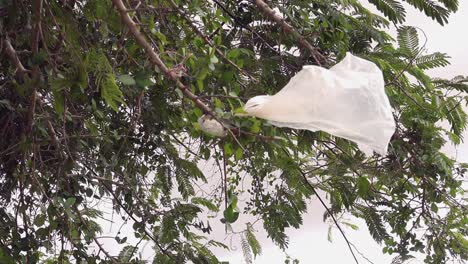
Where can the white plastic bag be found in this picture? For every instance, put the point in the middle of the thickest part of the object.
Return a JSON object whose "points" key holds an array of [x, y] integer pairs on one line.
{"points": [[211, 126], [347, 100]]}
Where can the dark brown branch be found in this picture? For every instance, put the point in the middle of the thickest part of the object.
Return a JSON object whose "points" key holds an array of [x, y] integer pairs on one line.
{"points": [[270, 13], [154, 57], [156, 61], [11, 53]]}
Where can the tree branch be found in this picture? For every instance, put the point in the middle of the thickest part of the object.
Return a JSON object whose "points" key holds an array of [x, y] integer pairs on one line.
{"points": [[306, 181], [330, 213], [154, 57], [209, 42], [242, 25], [270, 13], [156, 61], [11, 53], [101, 248]]}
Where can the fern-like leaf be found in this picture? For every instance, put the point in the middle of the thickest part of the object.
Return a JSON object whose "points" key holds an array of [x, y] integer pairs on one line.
{"points": [[391, 9], [253, 242], [246, 251], [433, 60], [207, 203], [401, 259], [126, 254], [164, 179], [374, 223], [422, 77], [168, 231], [408, 40], [433, 10], [451, 5], [459, 83], [110, 92], [184, 185], [98, 63]]}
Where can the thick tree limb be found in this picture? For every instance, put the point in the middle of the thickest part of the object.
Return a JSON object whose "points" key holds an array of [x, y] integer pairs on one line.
{"points": [[11, 53], [270, 13], [156, 61], [154, 57]]}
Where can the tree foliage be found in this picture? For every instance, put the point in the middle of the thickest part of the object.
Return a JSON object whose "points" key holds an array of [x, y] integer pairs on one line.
{"points": [[88, 113]]}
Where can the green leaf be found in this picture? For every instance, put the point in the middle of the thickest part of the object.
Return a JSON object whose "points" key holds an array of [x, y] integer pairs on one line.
{"points": [[39, 220], [5, 258], [69, 202], [246, 251], [105, 79], [408, 40], [352, 226], [184, 185], [207, 203], [231, 214], [143, 79], [160, 36], [433, 9], [110, 92], [392, 9], [228, 149], [126, 254], [74, 233], [363, 186], [233, 54], [374, 223], [253, 242], [433, 60], [239, 154], [127, 79], [168, 229]]}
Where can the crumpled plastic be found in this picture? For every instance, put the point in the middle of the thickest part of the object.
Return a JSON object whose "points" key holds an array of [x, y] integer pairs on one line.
{"points": [[211, 126], [348, 100]]}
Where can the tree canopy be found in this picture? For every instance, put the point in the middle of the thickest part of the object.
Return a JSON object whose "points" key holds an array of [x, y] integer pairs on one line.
{"points": [[99, 99]]}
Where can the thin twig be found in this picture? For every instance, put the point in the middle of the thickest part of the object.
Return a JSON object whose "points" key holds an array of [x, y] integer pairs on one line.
{"points": [[270, 13], [306, 181], [242, 25], [362, 255], [101, 248], [331, 215], [209, 42], [147, 233]]}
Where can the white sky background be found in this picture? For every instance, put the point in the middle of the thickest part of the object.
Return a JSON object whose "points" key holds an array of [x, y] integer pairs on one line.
{"points": [[309, 244]]}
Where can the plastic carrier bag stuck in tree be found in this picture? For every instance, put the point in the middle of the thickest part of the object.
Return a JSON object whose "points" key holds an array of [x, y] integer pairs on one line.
{"points": [[348, 100]]}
